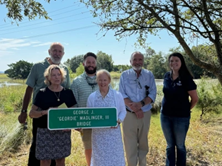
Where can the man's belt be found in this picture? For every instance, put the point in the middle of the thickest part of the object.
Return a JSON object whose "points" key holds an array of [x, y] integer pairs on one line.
{"points": [[129, 111]]}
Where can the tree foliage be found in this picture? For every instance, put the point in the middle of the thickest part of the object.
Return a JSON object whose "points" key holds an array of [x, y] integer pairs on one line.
{"points": [[121, 68], [73, 63], [157, 64], [104, 61], [19, 70], [185, 19], [79, 69], [18, 9]]}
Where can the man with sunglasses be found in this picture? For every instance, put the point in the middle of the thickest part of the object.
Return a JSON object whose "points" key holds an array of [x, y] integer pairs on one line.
{"points": [[82, 87], [138, 88]]}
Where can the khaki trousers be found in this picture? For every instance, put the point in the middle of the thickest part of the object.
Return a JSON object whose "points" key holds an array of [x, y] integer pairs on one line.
{"points": [[135, 134]]}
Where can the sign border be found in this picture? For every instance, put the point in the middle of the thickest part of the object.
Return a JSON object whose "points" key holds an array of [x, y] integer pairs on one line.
{"points": [[73, 108]]}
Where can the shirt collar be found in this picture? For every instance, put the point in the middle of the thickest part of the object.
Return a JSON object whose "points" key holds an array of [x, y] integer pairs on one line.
{"points": [[133, 71], [108, 95]]}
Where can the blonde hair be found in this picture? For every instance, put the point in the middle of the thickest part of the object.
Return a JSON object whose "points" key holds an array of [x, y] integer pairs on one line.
{"points": [[48, 71], [101, 71]]}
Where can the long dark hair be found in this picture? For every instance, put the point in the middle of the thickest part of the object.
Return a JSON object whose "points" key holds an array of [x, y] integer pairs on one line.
{"points": [[184, 72]]}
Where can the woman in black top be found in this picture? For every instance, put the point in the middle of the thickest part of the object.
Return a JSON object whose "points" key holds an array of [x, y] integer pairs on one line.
{"points": [[178, 86], [52, 144]]}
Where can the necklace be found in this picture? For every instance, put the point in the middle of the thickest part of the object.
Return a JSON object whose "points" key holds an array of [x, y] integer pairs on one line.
{"points": [[58, 97]]}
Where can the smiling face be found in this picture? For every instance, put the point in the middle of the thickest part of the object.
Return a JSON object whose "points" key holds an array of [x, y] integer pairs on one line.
{"points": [[103, 81], [175, 63], [137, 61], [55, 77], [90, 65]]}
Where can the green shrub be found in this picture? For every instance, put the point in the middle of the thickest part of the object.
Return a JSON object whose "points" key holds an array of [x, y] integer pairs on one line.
{"points": [[209, 93]]}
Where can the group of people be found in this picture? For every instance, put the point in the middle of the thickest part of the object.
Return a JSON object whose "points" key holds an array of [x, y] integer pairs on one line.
{"points": [[50, 84]]}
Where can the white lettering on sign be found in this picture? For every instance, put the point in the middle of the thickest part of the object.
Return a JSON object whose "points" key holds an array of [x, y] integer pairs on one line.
{"points": [[83, 123], [76, 112], [96, 117], [67, 118], [107, 117]]}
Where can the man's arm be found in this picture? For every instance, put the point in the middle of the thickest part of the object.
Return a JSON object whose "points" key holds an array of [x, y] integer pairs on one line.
{"points": [[27, 97]]}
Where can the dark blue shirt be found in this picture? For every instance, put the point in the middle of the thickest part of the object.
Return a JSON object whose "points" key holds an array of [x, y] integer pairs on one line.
{"points": [[176, 98]]}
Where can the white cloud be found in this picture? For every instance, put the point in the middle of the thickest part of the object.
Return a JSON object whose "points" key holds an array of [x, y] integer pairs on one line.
{"points": [[43, 44], [10, 44]]}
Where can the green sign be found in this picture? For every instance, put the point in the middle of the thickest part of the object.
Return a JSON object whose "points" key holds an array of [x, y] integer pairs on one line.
{"points": [[69, 118]]}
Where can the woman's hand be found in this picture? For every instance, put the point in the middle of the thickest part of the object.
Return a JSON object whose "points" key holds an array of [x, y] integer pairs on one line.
{"points": [[115, 127]]}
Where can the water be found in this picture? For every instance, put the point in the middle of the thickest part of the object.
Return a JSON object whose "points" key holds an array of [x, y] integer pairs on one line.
{"points": [[115, 83], [8, 84]]}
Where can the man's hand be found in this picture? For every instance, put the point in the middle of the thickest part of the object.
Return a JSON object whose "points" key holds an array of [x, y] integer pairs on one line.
{"points": [[22, 117], [135, 106], [139, 114]]}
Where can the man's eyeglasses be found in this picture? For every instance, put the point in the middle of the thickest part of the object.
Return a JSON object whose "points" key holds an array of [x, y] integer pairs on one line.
{"points": [[138, 82]]}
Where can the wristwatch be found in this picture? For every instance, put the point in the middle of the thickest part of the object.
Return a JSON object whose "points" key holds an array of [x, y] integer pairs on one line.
{"points": [[142, 102], [23, 111]]}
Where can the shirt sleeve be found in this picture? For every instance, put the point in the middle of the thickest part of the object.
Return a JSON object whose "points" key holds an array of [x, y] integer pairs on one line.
{"points": [[121, 107], [190, 85], [38, 98], [90, 100], [122, 88], [71, 101], [31, 80], [74, 89]]}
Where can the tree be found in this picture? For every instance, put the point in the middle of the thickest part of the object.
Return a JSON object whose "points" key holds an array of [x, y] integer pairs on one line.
{"points": [[73, 63], [79, 69], [149, 52], [18, 9], [104, 61], [19, 70], [185, 19], [157, 66], [121, 68]]}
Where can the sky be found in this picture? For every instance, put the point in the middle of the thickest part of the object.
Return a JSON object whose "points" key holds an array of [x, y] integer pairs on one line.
{"points": [[73, 26]]}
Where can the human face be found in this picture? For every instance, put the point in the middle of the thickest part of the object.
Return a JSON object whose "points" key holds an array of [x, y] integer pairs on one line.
{"points": [[137, 62], [103, 81], [56, 53], [90, 65], [55, 77], [175, 63]]}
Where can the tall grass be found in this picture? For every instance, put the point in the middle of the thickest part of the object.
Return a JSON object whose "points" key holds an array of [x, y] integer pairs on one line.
{"points": [[11, 98], [203, 143], [204, 138]]}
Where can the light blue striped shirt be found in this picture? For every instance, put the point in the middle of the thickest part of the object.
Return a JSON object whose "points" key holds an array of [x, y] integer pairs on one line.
{"points": [[134, 88], [81, 89]]}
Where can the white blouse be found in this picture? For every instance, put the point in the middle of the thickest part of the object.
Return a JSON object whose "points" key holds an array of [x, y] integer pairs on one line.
{"points": [[112, 99]]}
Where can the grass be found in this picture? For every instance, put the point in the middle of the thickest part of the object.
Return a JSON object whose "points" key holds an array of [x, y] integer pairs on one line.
{"points": [[4, 78], [115, 75], [204, 140], [11, 98]]}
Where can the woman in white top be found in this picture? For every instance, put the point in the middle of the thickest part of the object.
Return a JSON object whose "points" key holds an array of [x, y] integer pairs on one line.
{"points": [[107, 146]]}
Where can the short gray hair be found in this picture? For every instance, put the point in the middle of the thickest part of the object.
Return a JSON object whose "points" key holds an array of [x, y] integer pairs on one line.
{"points": [[136, 52]]}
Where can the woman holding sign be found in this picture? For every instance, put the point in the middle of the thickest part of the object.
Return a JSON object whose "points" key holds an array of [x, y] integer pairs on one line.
{"points": [[107, 146], [52, 144]]}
